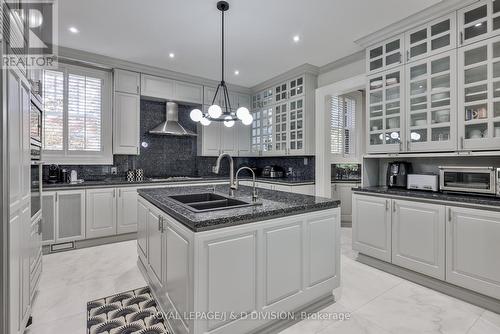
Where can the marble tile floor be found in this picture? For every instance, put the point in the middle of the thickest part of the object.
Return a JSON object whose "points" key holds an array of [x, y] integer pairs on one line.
{"points": [[374, 301]]}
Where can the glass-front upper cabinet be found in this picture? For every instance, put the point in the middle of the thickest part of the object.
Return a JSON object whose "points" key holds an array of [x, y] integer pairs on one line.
{"points": [[280, 92], [296, 123], [385, 111], [296, 87], [479, 21], [431, 103], [479, 95], [263, 99], [281, 127], [432, 38], [385, 55], [256, 134]]}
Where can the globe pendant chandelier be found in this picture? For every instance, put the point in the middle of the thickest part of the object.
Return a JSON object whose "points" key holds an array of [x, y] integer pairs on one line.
{"points": [[215, 112]]}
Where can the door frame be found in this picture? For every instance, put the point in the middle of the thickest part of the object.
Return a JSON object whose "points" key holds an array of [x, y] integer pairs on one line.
{"points": [[322, 126]]}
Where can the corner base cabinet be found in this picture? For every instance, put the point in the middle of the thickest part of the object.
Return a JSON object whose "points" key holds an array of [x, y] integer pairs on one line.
{"points": [[257, 267]]}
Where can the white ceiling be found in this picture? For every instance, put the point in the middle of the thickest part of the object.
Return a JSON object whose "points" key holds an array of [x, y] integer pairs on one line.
{"points": [[258, 33]]}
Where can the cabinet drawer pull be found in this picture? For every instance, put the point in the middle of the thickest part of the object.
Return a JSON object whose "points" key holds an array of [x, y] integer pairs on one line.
{"points": [[461, 37], [394, 208], [449, 215], [159, 223], [407, 55], [386, 204]]}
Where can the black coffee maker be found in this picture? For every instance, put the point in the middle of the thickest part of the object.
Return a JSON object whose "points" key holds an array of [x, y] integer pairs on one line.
{"points": [[54, 174], [397, 174]]}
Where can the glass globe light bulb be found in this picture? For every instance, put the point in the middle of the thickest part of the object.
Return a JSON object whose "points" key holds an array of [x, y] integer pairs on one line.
{"points": [[214, 111], [196, 115], [205, 121], [247, 120], [229, 122], [241, 112]]}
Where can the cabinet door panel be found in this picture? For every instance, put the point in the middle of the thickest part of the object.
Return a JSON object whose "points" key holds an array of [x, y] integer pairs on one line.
{"points": [[283, 250], [210, 139], [15, 140], [385, 55], [321, 251], [127, 81], [177, 278], [101, 212], [479, 103], [127, 210], [126, 123], [70, 215], [49, 217], [472, 250], [158, 87], [142, 228], [239, 254], [371, 226], [187, 92], [155, 248], [243, 132], [418, 239], [478, 22]]}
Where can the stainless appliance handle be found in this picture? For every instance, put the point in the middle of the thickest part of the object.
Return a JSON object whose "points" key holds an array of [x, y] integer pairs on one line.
{"points": [[466, 167]]}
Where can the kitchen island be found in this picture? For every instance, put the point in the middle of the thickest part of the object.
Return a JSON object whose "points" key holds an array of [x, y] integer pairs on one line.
{"points": [[237, 269]]}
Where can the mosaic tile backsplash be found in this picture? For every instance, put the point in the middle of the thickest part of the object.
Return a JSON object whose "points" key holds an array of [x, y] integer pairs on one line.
{"points": [[177, 156]]}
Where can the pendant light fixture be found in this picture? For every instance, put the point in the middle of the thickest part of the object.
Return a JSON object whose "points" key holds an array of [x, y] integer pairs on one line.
{"points": [[215, 112]]}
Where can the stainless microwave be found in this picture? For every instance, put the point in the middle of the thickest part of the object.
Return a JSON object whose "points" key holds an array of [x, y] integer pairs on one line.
{"points": [[480, 180]]}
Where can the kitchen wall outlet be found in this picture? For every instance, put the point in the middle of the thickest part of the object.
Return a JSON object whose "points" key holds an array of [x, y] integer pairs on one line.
{"points": [[306, 161], [114, 170]]}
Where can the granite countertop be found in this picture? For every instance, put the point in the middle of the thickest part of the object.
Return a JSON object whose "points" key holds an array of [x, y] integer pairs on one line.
{"points": [[273, 204], [122, 181], [438, 196], [346, 181]]}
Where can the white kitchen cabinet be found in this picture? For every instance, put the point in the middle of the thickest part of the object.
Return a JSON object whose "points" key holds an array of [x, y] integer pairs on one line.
{"points": [[126, 123], [188, 92], [216, 138], [385, 111], [49, 217], [242, 100], [156, 254], [479, 95], [431, 104], [100, 212], [70, 215], [127, 81], [472, 248], [371, 226], [63, 215], [343, 193], [418, 237], [157, 87], [126, 217], [385, 55], [306, 189], [235, 99], [431, 38], [284, 118], [478, 21], [142, 230]]}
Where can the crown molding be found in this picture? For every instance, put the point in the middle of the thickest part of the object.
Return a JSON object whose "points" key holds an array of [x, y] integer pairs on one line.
{"points": [[296, 71], [341, 62], [442, 8], [105, 62]]}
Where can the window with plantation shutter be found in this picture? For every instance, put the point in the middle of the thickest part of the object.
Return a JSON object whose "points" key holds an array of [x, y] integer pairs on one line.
{"points": [[77, 115], [342, 125]]}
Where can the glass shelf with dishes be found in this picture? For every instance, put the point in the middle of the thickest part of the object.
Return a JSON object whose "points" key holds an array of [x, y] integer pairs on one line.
{"points": [[479, 110], [385, 111], [431, 119]]}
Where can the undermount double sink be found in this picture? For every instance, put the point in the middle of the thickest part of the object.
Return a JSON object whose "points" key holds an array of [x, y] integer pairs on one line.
{"points": [[209, 202]]}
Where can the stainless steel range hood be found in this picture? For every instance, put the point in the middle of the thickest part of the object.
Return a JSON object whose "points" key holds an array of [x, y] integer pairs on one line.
{"points": [[171, 126]]}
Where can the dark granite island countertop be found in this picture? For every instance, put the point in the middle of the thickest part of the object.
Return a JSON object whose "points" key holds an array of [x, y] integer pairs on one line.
{"points": [[274, 204], [470, 199]]}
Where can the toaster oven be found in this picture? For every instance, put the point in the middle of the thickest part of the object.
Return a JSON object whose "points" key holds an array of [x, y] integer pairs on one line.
{"points": [[480, 180]]}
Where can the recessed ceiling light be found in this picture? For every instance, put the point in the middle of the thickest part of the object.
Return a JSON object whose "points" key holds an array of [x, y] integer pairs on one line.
{"points": [[236, 72], [296, 38], [74, 30], [171, 55]]}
